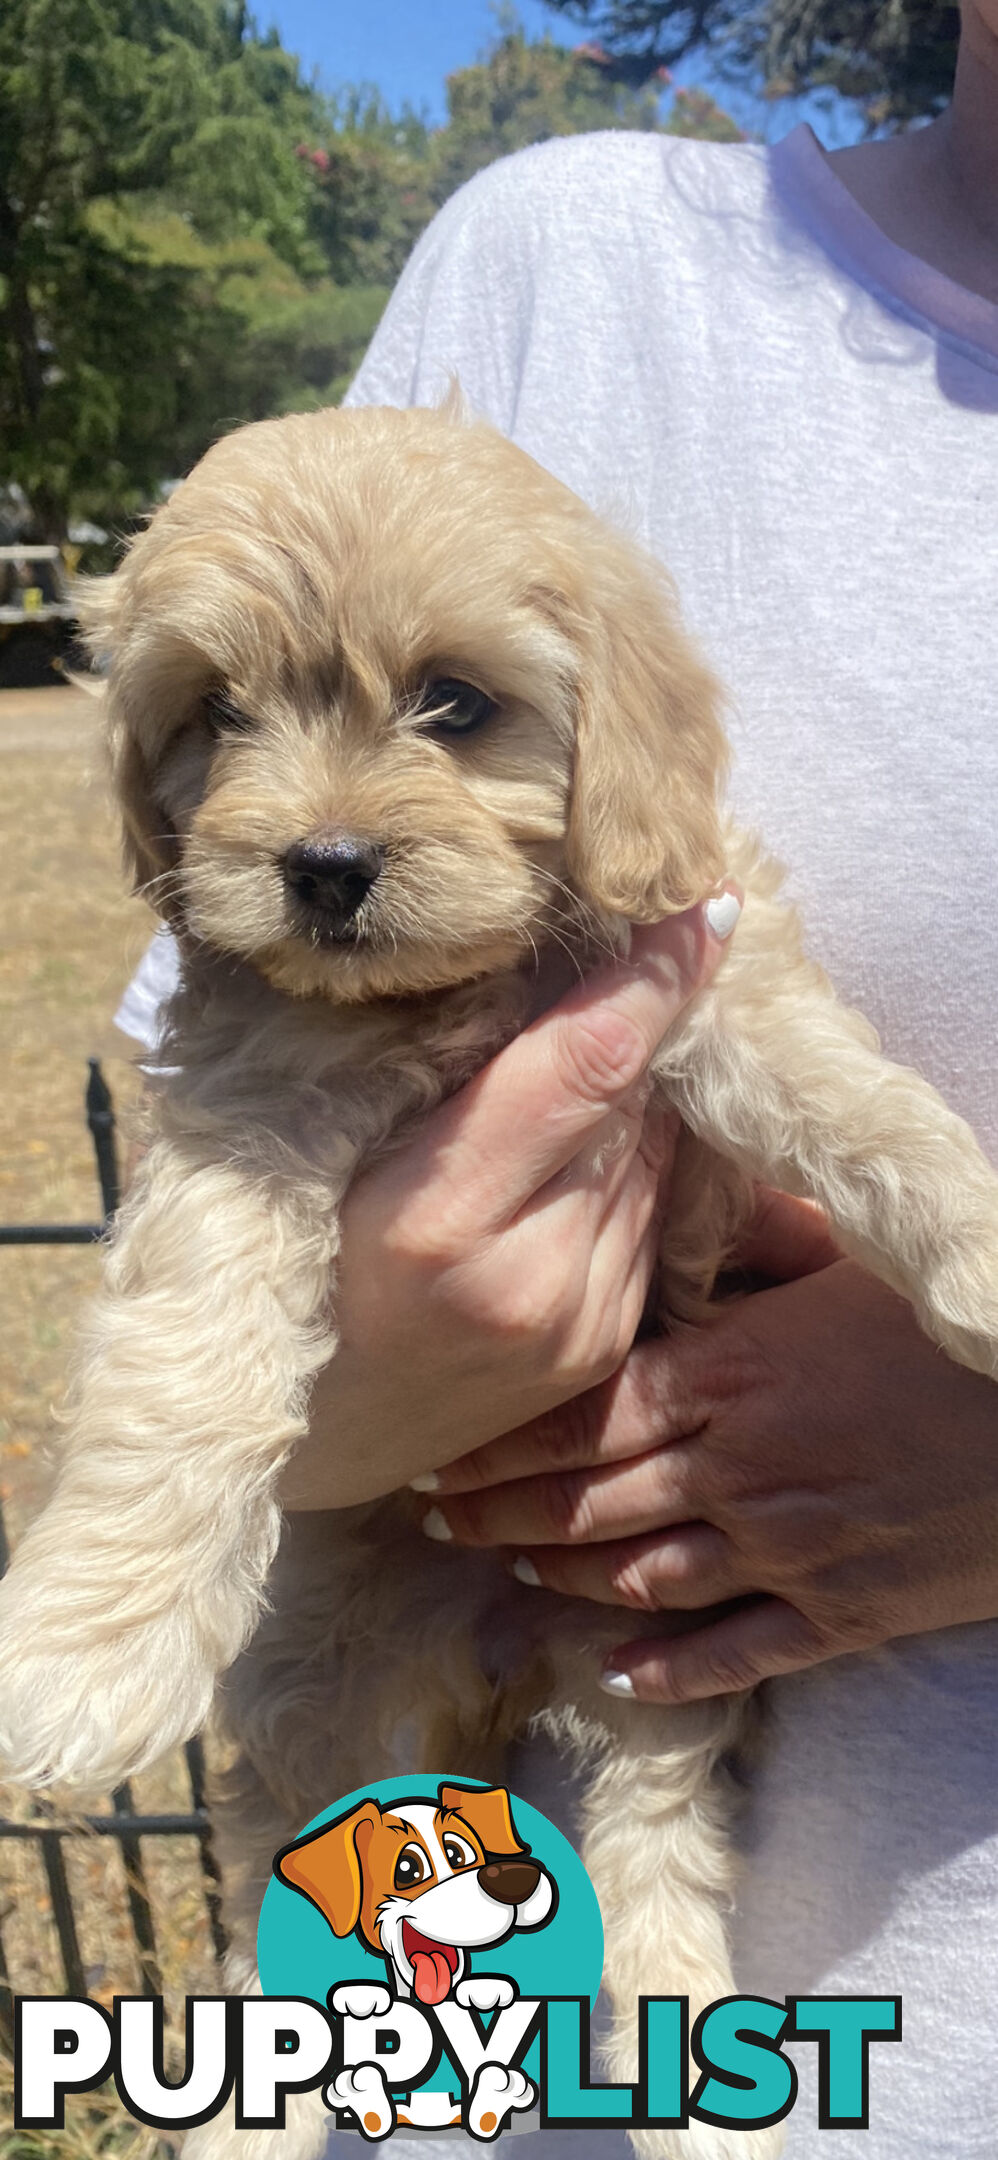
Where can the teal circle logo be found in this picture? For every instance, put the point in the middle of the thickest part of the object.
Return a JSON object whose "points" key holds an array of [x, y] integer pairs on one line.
{"points": [[435, 1892]]}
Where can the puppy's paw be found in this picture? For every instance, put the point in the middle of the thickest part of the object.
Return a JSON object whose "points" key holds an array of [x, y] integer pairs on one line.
{"points": [[362, 2089], [485, 1991], [496, 2094], [355, 2000], [91, 1715]]}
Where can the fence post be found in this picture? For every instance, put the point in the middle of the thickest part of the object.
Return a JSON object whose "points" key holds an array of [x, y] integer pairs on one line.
{"points": [[100, 1118]]}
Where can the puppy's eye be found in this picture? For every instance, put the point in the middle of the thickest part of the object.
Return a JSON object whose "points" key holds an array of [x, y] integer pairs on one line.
{"points": [[456, 708], [458, 1854], [411, 1867], [223, 715]]}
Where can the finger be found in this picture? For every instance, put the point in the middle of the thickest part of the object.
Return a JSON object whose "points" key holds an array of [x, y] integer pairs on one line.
{"points": [[655, 1152], [644, 1224], [618, 1230], [651, 1145], [642, 1133], [755, 1642], [573, 1507], [528, 1113], [624, 1258], [621, 1270], [677, 1570], [655, 1398], [786, 1238]]}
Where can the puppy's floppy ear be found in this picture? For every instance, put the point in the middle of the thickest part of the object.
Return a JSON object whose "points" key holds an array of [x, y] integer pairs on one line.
{"points": [[487, 1813], [644, 838], [149, 846], [326, 1866]]}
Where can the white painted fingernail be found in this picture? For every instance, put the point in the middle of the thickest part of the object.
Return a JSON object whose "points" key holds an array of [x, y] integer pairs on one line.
{"points": [[525, 1571], [429, 1482], [436, 1525], [722, 913], [616, 1683]]}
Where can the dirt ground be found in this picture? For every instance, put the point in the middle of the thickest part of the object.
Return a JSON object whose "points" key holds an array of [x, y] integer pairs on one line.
{"points": [[70, 937]]}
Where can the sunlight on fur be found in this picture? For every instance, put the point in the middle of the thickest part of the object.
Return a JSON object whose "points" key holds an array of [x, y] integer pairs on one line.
{"points": [[403, 737]]}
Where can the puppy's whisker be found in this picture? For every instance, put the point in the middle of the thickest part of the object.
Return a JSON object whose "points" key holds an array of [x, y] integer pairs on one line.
{"points": [[577, 914], [569, 950], [532, 942]]}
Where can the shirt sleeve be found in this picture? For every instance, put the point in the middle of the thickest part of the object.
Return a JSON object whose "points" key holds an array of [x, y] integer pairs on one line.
{"points": [[140, 1013]]}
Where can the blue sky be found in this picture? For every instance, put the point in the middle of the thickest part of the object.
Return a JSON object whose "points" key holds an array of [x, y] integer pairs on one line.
{"points": [[407, 47]]}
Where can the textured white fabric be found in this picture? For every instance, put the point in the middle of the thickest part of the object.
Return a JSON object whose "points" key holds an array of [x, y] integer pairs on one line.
{"points": [[155, 980], [716, 347]]}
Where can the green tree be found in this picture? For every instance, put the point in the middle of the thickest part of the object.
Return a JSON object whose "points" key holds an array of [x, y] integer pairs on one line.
{"points": [[191, 236], [375, 192], [895, 61], [114, 352], [382, 179], [526, 91]]}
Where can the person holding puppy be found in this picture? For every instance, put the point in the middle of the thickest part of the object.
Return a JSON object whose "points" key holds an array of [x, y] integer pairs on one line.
{"points": [[781, 370]]}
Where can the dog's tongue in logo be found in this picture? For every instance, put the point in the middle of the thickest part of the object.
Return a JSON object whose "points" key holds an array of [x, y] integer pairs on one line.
{"points": [[433, 1964]]}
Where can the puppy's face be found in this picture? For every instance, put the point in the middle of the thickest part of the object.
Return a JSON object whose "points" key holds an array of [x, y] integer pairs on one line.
{"points": [[383, 696]]}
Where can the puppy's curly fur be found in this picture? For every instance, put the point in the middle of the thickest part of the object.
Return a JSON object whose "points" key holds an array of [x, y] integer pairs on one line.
{"points": [[284, 641]]}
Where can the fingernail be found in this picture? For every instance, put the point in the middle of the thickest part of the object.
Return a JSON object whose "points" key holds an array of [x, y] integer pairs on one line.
{"points": [[721, 913], [436, 1525], [616, 1683], [525, 1571], [429, 1482]]}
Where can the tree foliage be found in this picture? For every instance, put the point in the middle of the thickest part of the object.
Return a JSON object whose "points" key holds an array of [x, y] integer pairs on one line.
{"points": [[191, 236], [141, 143], [894, 58], [381, 180]]}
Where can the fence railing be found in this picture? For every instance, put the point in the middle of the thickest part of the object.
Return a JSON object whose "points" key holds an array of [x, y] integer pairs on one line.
{"points": [[47, 1830]]}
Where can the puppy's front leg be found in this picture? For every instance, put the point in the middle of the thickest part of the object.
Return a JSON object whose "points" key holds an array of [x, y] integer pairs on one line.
{"points": [[774, 1074], [142, 1579]]}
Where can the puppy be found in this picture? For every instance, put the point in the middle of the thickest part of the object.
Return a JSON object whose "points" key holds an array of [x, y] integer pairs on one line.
{"points": [[391, 715]]}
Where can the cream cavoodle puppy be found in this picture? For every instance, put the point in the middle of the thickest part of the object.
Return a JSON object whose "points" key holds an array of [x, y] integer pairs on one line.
{"points": [[391, 714]]}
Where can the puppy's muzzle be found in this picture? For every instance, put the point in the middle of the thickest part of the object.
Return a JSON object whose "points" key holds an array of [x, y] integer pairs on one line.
{"points": [[510, 1882], [330, 876]]}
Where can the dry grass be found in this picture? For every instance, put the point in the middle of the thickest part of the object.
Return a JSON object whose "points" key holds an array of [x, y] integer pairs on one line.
{"points": [[70, 940], [97, 2128]]}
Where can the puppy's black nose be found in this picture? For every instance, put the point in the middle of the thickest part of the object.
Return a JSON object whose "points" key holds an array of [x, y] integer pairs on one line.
{"points": [[510, 1882], [332, 873]]}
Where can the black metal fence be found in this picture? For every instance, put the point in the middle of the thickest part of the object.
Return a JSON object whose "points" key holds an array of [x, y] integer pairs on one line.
{"points": [[47, 1830], [99, 1111]]}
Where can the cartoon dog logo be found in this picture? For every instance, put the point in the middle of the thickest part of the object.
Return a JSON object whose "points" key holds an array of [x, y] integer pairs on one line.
{"points": [[426, 1886]]}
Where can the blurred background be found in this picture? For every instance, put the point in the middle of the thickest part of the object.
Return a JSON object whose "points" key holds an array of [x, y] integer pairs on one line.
{"points": [[202, 214]]}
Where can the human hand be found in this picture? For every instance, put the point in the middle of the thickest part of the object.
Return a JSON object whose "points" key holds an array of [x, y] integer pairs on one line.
{"points": [[809, 1453], [500, 1262]]}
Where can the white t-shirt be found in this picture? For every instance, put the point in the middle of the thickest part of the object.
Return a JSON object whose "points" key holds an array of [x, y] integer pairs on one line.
{"points": [[719, 349]]}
